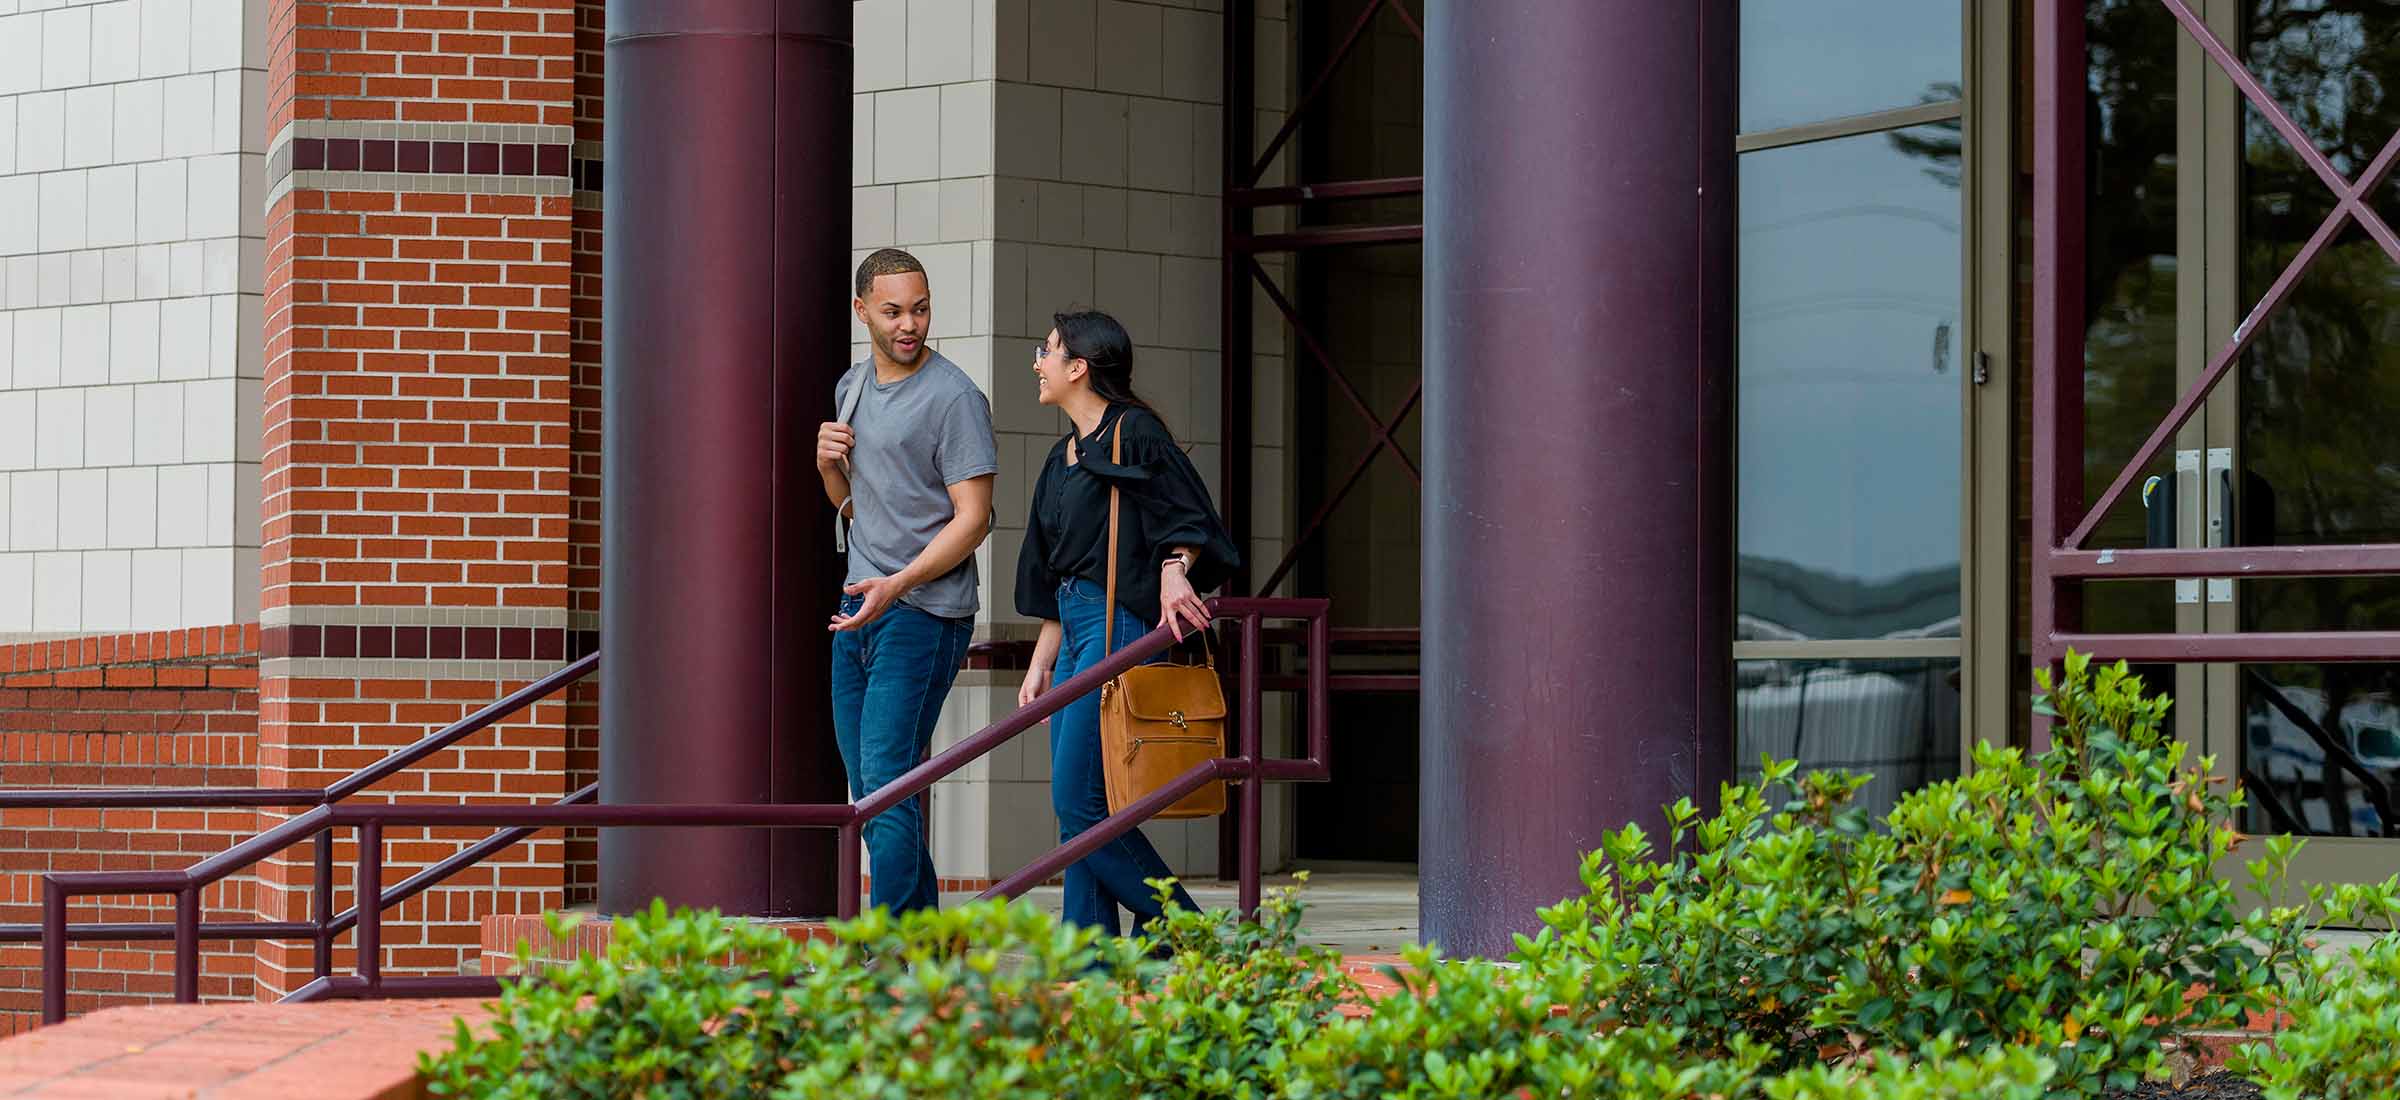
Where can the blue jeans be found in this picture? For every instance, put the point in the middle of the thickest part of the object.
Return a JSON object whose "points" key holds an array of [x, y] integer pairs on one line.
{"points": [[889, 680], [1099, 883]]}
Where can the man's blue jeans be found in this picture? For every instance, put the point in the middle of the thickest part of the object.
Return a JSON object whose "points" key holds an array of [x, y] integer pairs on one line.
{"points": [[889, 680], [1115, 874]]}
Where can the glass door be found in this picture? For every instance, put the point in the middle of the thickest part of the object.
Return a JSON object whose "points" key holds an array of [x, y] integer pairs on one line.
{"points": [[2301, 447], [1857, 361]]}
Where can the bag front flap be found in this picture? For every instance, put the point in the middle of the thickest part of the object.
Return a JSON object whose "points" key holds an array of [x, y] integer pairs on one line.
{"points": [[1172, 693]]}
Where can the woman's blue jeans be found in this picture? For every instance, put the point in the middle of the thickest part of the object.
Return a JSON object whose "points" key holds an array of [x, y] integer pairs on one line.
{"points": [[1113, 876]]}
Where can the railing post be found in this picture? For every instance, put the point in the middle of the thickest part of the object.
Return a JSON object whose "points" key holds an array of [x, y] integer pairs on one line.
{"points": [[54, 951], [321, 906], [1254, 801], [370, 904], [187, 944], [845, 904]]}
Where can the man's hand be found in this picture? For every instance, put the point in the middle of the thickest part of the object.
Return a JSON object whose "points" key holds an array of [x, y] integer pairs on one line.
{"points": [[876, 595], [833, 445]]}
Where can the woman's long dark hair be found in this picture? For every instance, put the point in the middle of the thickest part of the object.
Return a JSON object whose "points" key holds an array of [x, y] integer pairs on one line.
{"points": [[1097, 339]]}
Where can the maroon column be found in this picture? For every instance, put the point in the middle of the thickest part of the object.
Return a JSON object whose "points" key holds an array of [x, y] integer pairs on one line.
{"points": [[1579, 233], [727, 184]]}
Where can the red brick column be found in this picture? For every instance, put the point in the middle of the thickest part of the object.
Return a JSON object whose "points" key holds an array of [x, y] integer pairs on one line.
{"points": [[418, 432]]}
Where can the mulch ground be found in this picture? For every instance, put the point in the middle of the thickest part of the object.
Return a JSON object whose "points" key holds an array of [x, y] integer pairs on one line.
{"points": [[2215, 1086]]}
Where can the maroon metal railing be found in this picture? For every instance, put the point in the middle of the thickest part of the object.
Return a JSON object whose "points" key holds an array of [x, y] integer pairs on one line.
{"points": [[519, 822]]}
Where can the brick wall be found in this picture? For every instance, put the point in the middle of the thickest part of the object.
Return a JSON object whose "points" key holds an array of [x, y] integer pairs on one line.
{"points": [[418, 424], [137, 710]]}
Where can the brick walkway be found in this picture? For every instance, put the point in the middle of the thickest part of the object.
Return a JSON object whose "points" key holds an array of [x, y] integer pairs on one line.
{"points": [[339, 1051]]}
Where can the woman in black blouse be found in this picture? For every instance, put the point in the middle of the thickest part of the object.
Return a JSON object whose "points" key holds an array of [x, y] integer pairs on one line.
{"points": [[1170, 548]]}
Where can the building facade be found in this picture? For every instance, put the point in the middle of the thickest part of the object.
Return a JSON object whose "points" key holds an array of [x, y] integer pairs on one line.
{"points": [[307, 403]]}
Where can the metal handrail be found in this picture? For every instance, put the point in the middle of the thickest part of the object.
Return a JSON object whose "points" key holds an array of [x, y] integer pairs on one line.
{"points": [[848, 819]]}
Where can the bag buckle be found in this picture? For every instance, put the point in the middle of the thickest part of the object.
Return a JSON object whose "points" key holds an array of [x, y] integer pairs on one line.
{"points": [[1175, 719]]}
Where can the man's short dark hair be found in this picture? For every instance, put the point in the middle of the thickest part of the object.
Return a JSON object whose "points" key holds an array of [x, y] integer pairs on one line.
{"points": [[885, 261]]}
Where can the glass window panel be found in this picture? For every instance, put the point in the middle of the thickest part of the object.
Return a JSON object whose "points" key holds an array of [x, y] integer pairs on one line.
{"points": [[1850, 391], [1811, 60], [2130, 271], [1894, 720], [2293, 717]]}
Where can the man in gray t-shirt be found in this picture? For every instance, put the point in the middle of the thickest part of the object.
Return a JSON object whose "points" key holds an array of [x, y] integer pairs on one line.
{"points": [[908, 463]]}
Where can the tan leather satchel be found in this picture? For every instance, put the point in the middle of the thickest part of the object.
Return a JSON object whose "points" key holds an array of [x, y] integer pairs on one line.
{"points": [[1157, 720]]}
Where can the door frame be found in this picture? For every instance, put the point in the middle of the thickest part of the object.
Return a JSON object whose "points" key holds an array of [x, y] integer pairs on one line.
{"points": [[2209, 106]]}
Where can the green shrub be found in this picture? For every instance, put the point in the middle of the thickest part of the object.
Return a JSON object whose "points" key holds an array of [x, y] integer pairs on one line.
{"points": [[963, 1002], [2000, 1073], [1222, 1017], [972, 1001], [2066, 902], [682, 1006], [2343, 1041]]}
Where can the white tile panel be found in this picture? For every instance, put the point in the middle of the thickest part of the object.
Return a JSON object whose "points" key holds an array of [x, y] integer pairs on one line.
{"points": [[133, 341], [158, 423], [133, 507], [183, 338], [191, 115], [82, 509], [116, 41], [41, 131], [141, 120], [967, 129], [879, 50], [67, 47], [91, 129], [33, 510], [16, 584], [109, 211], [941, 41], [166, 37], [182, 505], [58, 592], [63, 209], [107, 591], [217, 27], [20, 53], [20, 219], [208, 585], [83, 345], [37, 347], [157, 589], [161, 200], [108, 426], [18, 433], [908, 135]]}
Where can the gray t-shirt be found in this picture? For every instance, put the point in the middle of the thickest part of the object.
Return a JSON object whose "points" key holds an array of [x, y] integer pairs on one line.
{"points": [[912, 440]]}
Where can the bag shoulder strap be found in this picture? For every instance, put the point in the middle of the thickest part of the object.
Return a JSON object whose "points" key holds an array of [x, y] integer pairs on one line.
{"points": [[1116, 456], [846, 415]]}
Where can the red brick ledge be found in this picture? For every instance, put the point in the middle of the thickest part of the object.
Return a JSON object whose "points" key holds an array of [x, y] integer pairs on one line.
{"points": [[349, 1050], [98, 651]]}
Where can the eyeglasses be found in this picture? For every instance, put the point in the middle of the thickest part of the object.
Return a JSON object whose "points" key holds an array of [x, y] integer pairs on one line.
{"points": [[1041, 351]]}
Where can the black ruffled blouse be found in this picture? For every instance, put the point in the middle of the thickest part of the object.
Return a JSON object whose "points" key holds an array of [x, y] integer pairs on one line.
{"points": [[1165, 504]]}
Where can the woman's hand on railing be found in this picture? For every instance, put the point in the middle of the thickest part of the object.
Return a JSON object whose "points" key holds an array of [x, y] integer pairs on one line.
{"points": [[1037, 681]]}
